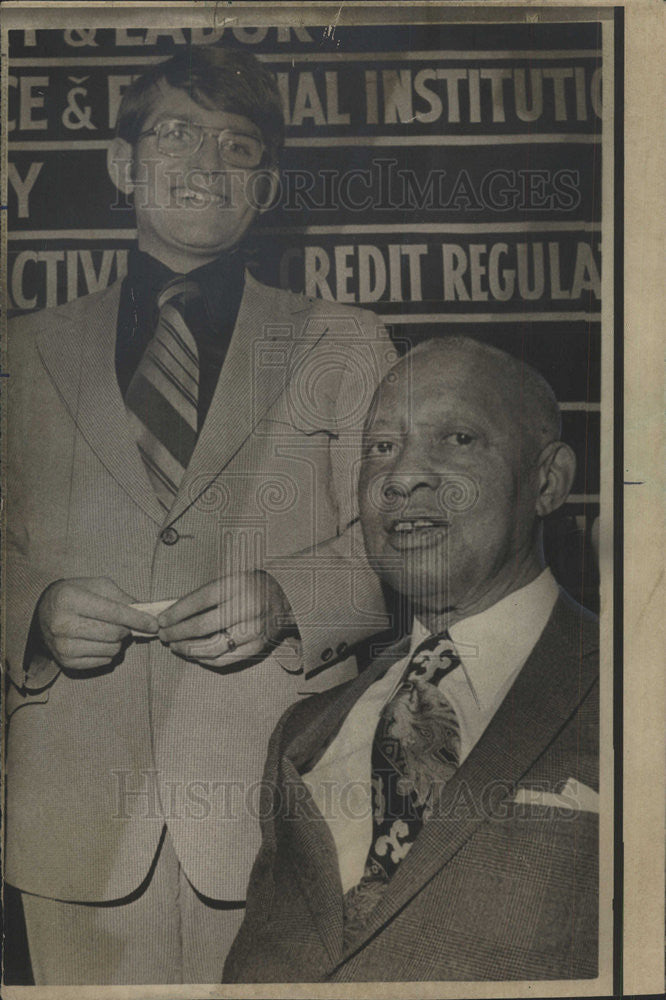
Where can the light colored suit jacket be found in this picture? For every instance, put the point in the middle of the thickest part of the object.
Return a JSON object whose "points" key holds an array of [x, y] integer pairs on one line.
{"points": [[502, 883], [95, 765]]}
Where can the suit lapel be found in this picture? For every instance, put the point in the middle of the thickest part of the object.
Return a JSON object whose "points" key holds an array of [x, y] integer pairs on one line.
{"points": [[80, 358], [253, 378], [546, 694], [312, 852], [311, 846]]}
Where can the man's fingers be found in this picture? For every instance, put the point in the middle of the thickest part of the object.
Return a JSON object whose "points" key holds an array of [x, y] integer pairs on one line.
{"points": [[104, 586], [84, 621], [218, 619], [91, 629], [86, 663], [75, 649], [223, 642], [195, 627], [213, 654], [247, 651], [210, 595], [67, 600], [242, 594], [102, 609]]}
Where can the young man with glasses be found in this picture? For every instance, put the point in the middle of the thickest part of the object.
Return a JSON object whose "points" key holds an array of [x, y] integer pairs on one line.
{"points": [[178, 437]]}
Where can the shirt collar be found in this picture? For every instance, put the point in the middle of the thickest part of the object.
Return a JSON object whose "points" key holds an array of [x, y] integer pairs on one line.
{"points": [[495, 644], [219, 279]]}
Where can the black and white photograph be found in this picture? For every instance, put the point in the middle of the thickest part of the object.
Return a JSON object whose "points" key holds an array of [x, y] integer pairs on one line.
{"points": [[312, 407]]}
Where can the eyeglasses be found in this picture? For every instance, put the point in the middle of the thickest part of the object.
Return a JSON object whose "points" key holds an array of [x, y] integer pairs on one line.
{"points": [[181, 138]]}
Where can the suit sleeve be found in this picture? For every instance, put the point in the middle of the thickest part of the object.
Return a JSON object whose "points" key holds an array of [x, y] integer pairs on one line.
{"points": [[29, 669], [335, 596]]}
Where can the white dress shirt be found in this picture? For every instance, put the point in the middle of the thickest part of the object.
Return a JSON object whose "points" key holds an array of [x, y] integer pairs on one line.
{"points": [[493, 646]]}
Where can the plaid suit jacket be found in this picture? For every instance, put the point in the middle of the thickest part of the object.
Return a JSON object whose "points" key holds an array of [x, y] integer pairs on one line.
{"points": [[496, 887]]}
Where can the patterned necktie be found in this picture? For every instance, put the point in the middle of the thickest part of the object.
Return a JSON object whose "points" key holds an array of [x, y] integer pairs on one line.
{"points": [[416, 749], [162, 397]]}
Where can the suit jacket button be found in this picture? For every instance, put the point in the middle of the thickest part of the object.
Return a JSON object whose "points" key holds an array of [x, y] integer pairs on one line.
{"points": [[169, 536], [342, 649], [327, 653]]}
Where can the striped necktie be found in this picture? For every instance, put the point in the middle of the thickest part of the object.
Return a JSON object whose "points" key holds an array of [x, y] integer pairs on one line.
{"points": [[415, 751], [162, 397]]}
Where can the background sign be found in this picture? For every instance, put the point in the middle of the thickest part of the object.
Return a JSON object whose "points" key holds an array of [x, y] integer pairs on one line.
{"points": [[446, 176]]}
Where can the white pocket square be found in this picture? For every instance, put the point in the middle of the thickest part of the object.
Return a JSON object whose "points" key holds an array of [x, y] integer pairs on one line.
{"points": [[575, 795]]}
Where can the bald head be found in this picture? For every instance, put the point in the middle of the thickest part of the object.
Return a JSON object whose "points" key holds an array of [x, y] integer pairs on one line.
{"points": [[523, 394]]}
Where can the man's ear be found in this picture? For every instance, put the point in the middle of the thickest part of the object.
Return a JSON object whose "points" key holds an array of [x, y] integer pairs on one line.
{"points": [[556, 468], [119, 160]]}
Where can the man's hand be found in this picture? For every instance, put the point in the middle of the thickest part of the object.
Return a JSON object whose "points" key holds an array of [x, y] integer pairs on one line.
{"points": [[228, 620], [85, 621]]}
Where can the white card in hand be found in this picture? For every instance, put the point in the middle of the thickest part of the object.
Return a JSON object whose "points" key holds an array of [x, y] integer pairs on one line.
{"points": [[152, 608]]}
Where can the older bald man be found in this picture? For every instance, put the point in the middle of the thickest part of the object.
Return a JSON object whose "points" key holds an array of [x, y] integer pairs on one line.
{"points": [[436, 818]]}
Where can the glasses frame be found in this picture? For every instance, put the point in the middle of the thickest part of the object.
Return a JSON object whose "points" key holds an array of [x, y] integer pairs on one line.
{"points": [[204, 130]]}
